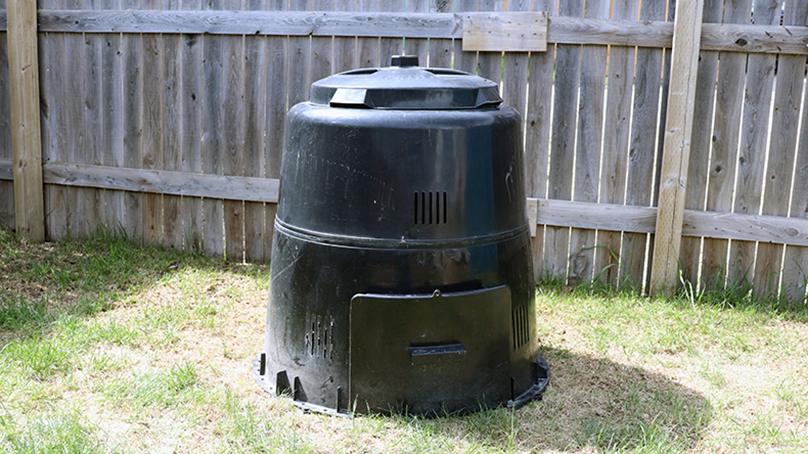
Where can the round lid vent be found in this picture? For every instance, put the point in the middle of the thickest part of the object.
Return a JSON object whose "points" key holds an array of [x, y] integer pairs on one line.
{"points": [[405, 86]]}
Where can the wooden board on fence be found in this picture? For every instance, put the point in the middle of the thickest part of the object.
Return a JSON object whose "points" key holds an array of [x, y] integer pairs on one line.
{"points": [[676, 148], [395, 45], [515, 77], [212, 140], [93, 200], [567, 83], [277, 75], [505, 32], [368, 49], [796, 260], [321, 46], [417, 46], [790, 79], [537, 135], [779, 170], [74, 144], [440, 50], [515, 70], [46, 43], [701, 141], [290, 62], [191, 132], [162, 182], [617, 121], [723, 158], [299, 77], [643, 152], [589, 145], [561, 30], [132, 121], [6, 187], [152, 151], [489, 64], [254, 124], [752, 151], [56, 208], [344, 56], [112, 120], [172, 138], [233, 134], [465, 61]]}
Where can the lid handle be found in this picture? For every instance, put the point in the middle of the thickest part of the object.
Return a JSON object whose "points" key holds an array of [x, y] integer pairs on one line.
{"points": [[404, 60]]}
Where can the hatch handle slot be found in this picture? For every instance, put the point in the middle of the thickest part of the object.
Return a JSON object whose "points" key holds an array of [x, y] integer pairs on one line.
{"points": [[451, 352]]}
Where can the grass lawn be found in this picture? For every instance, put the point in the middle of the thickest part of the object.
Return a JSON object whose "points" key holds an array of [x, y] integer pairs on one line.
{"points": [[109, 347]]}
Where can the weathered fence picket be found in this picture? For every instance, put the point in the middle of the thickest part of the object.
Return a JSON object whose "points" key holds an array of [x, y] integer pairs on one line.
{"points": [[191, 130], [728, 108], [701, 140], [6, 186], [780, 172], [152, 149], [645, 143], [591, 96], [112, 118], [538, 122], [562, 142], [172, 140], [255, 65]]}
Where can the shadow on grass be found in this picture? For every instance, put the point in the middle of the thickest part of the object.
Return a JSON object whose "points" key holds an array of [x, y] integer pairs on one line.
{"points": [[42, 283], [590, 402]]}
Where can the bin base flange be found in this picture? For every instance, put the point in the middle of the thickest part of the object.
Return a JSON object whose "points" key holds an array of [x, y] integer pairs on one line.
{"points": [[541, 377]]}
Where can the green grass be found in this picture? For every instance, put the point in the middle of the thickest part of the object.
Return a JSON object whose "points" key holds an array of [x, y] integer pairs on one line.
{"points": [[111, 347], [48, 433]]}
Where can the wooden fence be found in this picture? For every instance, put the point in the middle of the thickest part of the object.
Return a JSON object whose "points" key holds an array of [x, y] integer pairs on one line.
{"points": [[166, 119]]}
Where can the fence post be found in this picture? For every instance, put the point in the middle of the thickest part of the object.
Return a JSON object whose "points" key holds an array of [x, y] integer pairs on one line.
{"points": [[676, 151], [26, 141]]}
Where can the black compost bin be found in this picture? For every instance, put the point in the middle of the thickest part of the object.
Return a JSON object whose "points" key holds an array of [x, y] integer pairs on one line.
{"points": [[401, 272]]}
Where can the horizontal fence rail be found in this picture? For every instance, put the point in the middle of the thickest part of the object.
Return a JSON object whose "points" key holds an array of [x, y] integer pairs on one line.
{"points": [[626, 218], [561, 30]]}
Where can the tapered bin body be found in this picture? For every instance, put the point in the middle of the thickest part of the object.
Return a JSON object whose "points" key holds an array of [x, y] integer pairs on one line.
{"points": [[401, 272]]}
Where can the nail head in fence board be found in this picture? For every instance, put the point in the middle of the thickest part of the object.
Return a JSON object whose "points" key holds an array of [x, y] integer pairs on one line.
{"points": [[676, 151], [509, 32], [25, 127]]}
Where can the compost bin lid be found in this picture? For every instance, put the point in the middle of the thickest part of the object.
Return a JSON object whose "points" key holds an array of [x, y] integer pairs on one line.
{"points": [[407, 86]]}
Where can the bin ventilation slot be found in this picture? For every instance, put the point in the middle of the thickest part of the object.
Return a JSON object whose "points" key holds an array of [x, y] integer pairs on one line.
{"points": [[430, 207], [521, 331], [320, 336]]}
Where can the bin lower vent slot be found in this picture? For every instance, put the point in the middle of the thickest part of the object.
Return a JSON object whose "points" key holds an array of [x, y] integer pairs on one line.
{"points": [[521, 330], [319, 336], [430, 207]]}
